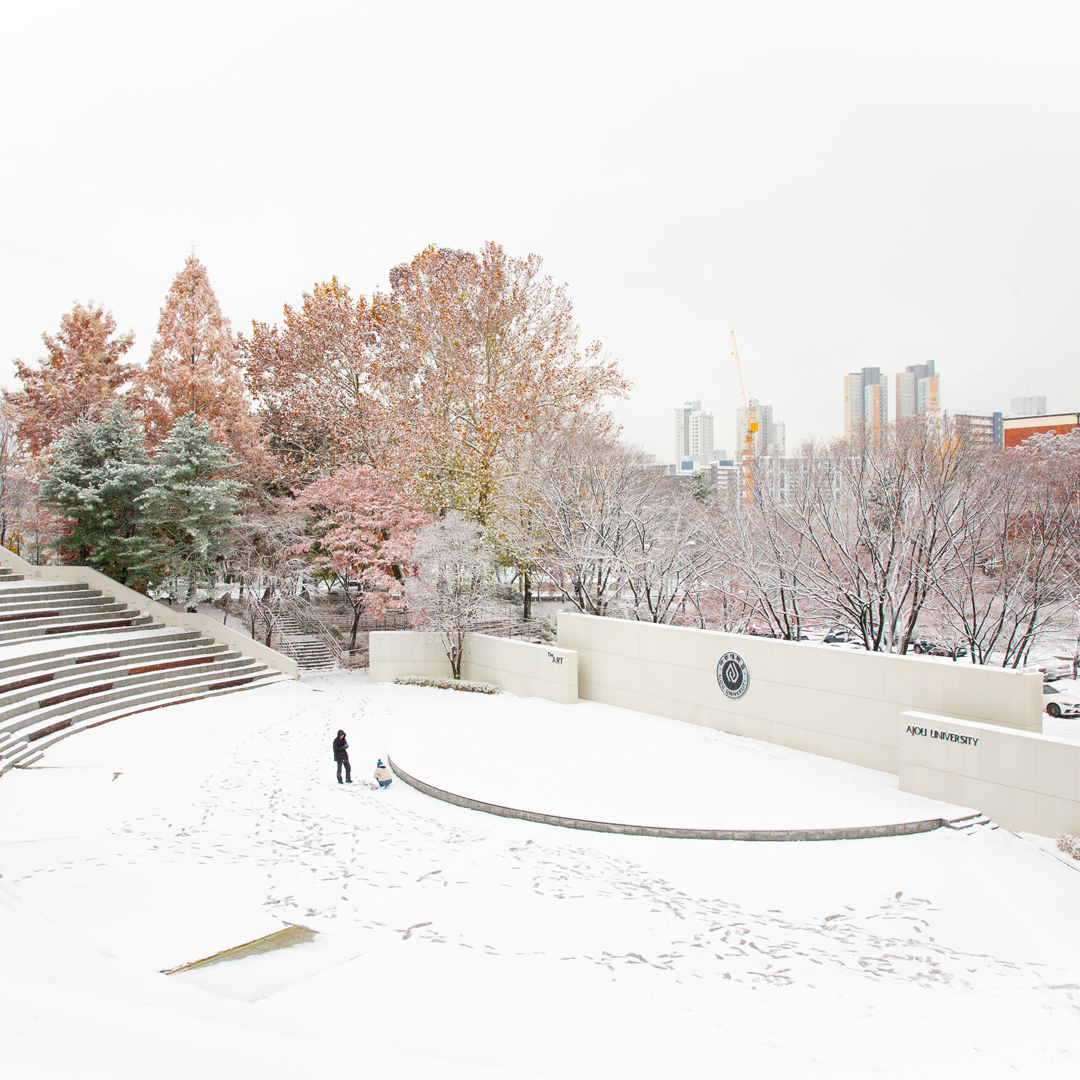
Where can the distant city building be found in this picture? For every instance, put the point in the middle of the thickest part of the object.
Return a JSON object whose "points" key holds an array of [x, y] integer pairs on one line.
{"points": [[726, 478], [1027, 406], [694, 434], [929, 395], [1019, 428], [866, 403], [876, 409], [770, 439], [918, 390], [986, 431]]}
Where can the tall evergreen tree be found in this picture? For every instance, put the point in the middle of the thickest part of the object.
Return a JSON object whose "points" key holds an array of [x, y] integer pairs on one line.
{"points": [[97, 475], [189, 512]]}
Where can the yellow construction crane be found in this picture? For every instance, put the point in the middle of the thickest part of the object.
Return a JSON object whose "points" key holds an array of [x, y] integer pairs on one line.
{"points": [[747, 452]]}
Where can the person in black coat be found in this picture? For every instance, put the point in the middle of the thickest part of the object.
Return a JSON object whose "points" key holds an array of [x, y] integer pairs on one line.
{"points": [[341, 756]]}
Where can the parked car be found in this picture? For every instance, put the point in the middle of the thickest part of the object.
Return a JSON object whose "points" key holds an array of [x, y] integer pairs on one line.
{"points": [[840, 635], [934, 648], [1057, 668], [1059, 702]]}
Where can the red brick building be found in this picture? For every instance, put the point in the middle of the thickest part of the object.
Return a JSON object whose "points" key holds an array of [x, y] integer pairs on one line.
{"points": [[1019, 428]]}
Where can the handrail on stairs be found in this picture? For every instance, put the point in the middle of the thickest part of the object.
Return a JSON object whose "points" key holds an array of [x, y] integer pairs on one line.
{"points": [[312, 624]]}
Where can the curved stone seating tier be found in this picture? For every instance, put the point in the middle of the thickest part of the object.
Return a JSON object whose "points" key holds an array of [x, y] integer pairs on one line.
{"points": [[72, 658]]}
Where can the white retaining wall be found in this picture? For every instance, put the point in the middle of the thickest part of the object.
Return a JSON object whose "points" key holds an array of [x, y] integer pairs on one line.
{"points": [[160, 612], [834, 702], [394, 653], [1024, 781], [520, 667]]}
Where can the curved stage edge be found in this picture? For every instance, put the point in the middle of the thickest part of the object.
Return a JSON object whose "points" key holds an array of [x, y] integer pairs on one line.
{"points": [[863, 832]]}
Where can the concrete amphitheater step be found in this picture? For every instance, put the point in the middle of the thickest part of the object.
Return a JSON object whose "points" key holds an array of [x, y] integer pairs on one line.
{"points": [[35, 712], [18, 594], [27, 693], [73, 657], [99, 622], [53, 653], [22, 745], [93, 611], [33, 752], [20, 682]]}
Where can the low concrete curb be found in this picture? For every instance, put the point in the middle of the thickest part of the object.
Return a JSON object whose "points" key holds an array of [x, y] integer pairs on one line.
{"points": [[864, 832]]}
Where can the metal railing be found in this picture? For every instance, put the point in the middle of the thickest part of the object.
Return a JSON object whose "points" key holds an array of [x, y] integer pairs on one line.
{"points": [[312, 624]]}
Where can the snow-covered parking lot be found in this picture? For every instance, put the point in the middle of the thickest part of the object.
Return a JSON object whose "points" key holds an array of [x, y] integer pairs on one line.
{"points": [[455, 944]]}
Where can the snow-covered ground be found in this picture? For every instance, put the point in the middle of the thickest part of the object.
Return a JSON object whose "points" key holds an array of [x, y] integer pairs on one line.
{"points": [[455, 944], [600, 763]]}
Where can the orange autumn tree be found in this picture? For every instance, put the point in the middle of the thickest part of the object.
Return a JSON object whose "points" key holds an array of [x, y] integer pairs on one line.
{"points": [[194, 368], [78, 379], [485, 354], [439, 384], [318, 381]]}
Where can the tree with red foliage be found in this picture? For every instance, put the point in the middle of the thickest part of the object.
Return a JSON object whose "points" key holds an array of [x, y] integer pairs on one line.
{"points": [[194, 368], [363, 532], [78, 379]]}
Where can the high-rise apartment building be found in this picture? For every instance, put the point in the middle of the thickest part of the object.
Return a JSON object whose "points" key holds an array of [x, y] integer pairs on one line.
{"points": [[930, 395], [853, 404], [694, 436], [918, 390], [875, 408], [866, 402]]}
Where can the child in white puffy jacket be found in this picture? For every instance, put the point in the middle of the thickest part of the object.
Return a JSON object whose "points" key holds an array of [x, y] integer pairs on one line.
{"points": [[383, 775]]}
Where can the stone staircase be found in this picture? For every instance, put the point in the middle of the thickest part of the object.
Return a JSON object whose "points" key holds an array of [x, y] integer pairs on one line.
{"points": [[72, 659], [309, 650], [970, 823]]}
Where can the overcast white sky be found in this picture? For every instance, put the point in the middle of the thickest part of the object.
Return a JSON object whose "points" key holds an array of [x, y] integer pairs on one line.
{"points": [[842, 184]]}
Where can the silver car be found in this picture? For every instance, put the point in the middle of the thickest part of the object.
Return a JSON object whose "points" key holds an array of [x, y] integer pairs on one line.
{"points": [[1059, 702]]}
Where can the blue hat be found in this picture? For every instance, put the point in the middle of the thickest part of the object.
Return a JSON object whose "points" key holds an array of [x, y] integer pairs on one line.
{"points": [[380, 765]]}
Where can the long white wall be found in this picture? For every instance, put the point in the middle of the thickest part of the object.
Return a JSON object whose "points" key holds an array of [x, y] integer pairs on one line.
{"points": [[1022, 780], [519, 667], [833, 702], [160, 612]]}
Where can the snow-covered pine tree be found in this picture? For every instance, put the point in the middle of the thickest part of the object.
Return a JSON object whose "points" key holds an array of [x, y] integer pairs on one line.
{"points": [[189, 512], [96, 476]]}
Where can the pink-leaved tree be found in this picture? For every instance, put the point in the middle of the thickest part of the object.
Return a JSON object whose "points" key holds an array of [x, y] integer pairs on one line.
{"points": [[363, 532]]}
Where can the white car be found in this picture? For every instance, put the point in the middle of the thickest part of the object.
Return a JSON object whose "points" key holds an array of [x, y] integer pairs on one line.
{"points": [[1059, 702]]}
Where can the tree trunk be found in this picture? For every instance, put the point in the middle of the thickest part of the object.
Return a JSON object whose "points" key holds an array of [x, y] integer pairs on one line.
{"points": [[355, 625], [527, 599]]}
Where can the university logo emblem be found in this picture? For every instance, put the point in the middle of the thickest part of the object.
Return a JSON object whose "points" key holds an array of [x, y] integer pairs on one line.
{"points": [[732, 675]]}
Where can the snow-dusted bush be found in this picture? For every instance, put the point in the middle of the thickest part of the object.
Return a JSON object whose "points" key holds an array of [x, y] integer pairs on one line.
{"points": [[449, 684], [1070, 845]]}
